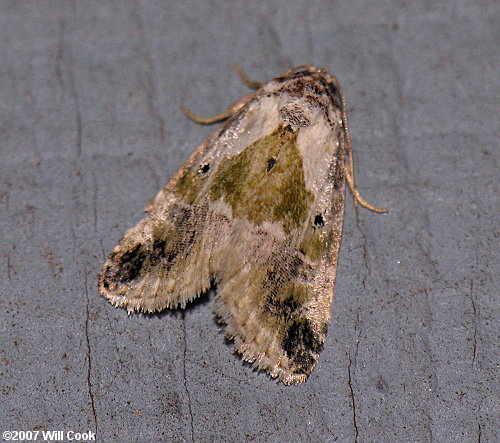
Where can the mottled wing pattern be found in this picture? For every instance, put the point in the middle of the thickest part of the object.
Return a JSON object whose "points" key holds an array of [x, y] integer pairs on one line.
{"points": [[258, 209]]}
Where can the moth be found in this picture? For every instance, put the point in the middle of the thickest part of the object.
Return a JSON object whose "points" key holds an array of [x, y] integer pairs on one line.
{"points": [[257, 210]]}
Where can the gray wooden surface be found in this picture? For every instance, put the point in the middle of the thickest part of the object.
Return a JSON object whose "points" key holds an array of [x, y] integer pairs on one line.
{"points": [[90, 129]]}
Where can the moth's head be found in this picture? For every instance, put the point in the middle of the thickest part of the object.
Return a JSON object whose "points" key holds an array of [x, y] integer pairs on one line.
{"points": [[306, 97]]}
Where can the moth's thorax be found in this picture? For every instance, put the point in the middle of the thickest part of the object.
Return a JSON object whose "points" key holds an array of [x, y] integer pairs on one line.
{"points": [[306, 101]]}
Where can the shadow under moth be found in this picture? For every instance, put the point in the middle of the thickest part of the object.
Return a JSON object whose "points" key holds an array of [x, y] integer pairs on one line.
{"points": [[257, 210]]}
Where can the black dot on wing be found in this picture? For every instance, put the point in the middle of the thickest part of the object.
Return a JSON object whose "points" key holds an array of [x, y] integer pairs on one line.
{"points": [[271, 163], [318, 220], [204, 168]]}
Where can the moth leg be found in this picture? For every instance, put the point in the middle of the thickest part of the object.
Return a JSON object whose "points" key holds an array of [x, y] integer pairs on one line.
{"points": [[350, 166], [246, 80]]}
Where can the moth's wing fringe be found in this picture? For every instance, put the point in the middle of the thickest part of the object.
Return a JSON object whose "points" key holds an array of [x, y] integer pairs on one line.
{"points": [[153, 305]]}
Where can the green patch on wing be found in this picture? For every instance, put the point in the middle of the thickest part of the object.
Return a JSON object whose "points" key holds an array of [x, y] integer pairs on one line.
{"points": [[263, 193], [314, 243], [189, 185]]}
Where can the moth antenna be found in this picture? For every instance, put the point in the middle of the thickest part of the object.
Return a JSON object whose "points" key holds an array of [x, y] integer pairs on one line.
{"points": [[206, 120], [244, 78], [310, 68], [350, 167], [233, 109]]}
